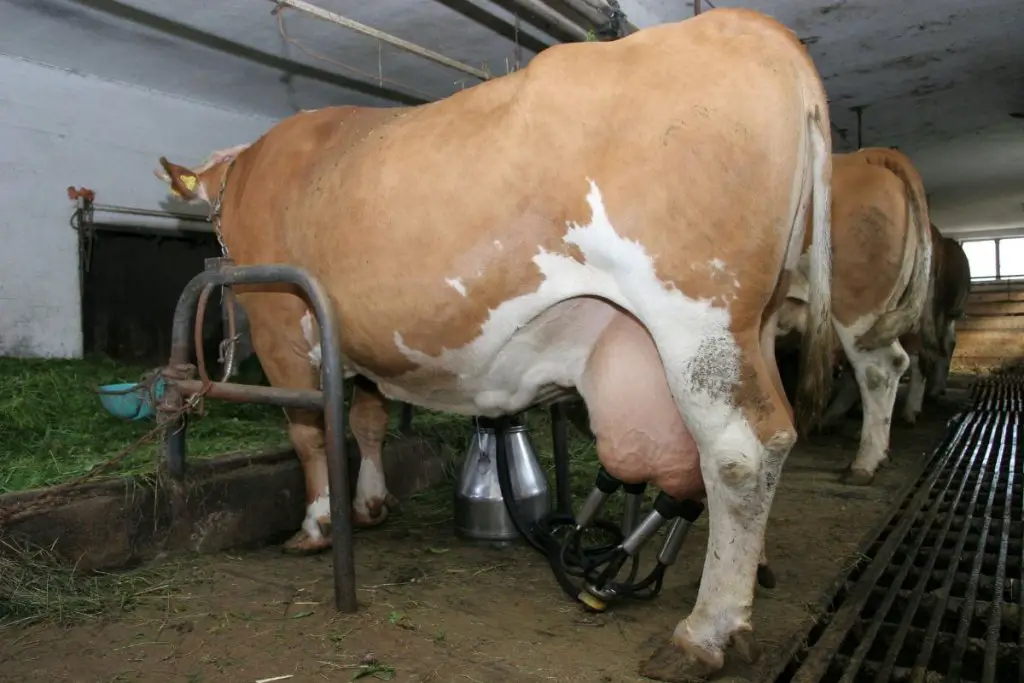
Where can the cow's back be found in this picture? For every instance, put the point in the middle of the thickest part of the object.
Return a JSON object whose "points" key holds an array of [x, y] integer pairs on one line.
{"points": [[442, 210]]}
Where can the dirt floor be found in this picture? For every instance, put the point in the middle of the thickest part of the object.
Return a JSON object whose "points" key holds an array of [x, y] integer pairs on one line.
{"points": [[433, 608]]}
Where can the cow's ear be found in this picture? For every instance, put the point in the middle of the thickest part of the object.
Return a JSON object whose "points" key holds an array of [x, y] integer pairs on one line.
{"points": [[182, 181]]}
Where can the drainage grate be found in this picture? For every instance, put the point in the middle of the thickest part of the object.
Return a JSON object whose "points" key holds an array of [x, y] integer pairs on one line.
{"points": [[938, 595]]}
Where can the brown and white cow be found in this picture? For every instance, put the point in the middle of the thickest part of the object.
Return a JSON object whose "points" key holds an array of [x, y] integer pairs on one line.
{"points": [[951, 273], [612, 215], [881, 262]]}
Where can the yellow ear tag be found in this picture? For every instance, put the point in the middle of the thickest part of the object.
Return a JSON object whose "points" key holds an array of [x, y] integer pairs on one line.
{"points": [[189, 181]]}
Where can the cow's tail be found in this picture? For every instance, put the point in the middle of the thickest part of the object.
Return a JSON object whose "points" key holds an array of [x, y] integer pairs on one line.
{"points": [[907, 315], [816, 347]]}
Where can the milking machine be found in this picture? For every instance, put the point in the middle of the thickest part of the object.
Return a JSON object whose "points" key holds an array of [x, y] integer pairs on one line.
{"points": [[586, 570]]}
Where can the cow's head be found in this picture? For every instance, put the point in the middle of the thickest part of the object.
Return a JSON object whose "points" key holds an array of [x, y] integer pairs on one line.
{"points": [[201, 183]]}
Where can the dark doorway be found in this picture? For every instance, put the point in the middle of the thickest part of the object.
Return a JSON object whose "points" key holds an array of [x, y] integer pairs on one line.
{"points": [[131, 281]]}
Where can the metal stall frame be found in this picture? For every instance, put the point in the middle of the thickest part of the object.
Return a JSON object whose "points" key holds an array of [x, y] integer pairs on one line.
{"points": [[330, 399]]}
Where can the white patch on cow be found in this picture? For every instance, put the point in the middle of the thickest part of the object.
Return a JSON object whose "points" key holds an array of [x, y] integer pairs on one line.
{"points": [[319, 509], [717, 265], [524, 345], [309, 331], [369, 487], [498, 244], [457, 285]]}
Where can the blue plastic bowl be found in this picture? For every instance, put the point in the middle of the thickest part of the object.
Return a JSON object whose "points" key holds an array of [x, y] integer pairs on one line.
{"points": [[130, 405]]}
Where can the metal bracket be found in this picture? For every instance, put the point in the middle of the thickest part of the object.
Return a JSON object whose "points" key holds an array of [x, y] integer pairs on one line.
{"points": [[330, 400]]}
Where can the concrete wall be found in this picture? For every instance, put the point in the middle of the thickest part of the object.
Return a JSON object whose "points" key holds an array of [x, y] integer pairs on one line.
{"points": [[60, 128]]}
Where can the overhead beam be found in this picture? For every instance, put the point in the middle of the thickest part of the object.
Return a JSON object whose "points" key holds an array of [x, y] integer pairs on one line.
{"points": [[395, 41], [507, 28], [191, 34], [553, 17]]}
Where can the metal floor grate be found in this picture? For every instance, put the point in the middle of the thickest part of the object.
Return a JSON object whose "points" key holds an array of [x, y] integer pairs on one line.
{"points": [[938, 595]]}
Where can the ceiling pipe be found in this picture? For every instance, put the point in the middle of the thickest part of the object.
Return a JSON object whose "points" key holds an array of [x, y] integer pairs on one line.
{"points": [[553, 17], [401, 44], [600, 13]]}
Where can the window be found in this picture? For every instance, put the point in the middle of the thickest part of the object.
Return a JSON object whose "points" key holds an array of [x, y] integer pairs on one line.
{"points": [[981, 254], [1011, 257], [996, 259]]}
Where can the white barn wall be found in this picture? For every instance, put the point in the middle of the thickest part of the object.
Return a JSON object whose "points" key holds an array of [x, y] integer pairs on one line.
{"points": [[60, 128]]}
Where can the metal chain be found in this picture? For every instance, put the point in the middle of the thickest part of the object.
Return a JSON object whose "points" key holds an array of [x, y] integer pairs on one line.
{"points": [[215, 208]]}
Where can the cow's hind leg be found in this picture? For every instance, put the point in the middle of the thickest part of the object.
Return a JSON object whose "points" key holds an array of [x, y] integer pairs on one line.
{"points": [[915, 390], [729, 398], [368, 419], [878, 373]]}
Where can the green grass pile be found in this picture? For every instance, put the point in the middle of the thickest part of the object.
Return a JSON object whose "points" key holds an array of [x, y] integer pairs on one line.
{"points": [[53, 428]]}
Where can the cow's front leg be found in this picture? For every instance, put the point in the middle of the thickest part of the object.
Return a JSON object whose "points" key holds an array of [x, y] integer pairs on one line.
{"points": [[305, 428]]}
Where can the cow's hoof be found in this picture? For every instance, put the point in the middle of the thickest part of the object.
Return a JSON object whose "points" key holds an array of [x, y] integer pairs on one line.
{"points": [[857, 477], [304, 544], [910, 419], [670, 663], [373, 513], [765, 576], [683, 661]]}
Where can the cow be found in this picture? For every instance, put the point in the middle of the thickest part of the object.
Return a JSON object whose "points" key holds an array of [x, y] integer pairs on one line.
{"points": [[612, 214], [930, 362], [930, 346], [881, 270]]}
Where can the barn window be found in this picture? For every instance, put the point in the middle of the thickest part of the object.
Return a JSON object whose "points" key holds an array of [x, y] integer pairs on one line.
{"points": [[995, 259], [1011, 257], [981, 254]]}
